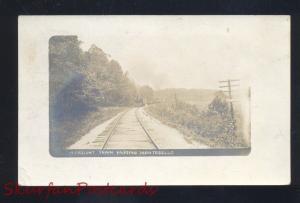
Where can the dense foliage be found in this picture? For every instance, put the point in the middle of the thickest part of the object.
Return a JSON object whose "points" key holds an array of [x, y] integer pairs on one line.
{"points": [[82, 81], [214, 126], [86, 88]]}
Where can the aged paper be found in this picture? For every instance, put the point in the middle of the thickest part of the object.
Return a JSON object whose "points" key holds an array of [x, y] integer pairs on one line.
{"points": [[124, 99]]}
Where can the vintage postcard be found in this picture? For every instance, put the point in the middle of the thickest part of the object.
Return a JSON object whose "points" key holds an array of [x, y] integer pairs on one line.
{"points": [[97, 108], [149, 90]]}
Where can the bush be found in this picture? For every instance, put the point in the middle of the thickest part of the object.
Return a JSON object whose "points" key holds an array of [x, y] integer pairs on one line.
{"points": [[214, 126]]}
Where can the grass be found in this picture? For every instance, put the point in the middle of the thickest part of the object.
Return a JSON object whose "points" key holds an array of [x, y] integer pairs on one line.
{"points": [[67, 132], [213, 127]]}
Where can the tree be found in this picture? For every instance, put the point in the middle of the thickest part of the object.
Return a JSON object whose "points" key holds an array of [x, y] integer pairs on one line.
{"points": [[219, 105], [147, 94]]}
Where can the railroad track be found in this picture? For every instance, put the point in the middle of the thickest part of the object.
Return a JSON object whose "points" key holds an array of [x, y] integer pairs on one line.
{"points": [[111, 132], [156, 147], [139, 127]]}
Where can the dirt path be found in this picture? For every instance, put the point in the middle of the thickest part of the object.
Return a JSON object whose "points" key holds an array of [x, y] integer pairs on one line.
{"points": [[134, 129]]}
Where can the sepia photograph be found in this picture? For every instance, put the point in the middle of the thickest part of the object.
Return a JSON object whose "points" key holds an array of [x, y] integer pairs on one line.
{"points": [[154, 93], [208, 96]]}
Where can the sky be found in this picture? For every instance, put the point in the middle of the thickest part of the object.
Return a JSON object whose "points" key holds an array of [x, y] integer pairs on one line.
{"points": [[186, 51]]}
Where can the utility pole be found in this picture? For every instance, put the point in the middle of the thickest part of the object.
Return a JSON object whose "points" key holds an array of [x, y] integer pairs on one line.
{"points": [[228, 84]]}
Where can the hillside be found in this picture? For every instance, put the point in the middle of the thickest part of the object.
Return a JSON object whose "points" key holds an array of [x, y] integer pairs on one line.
{"points": [[86, 88], [199, 97]]}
